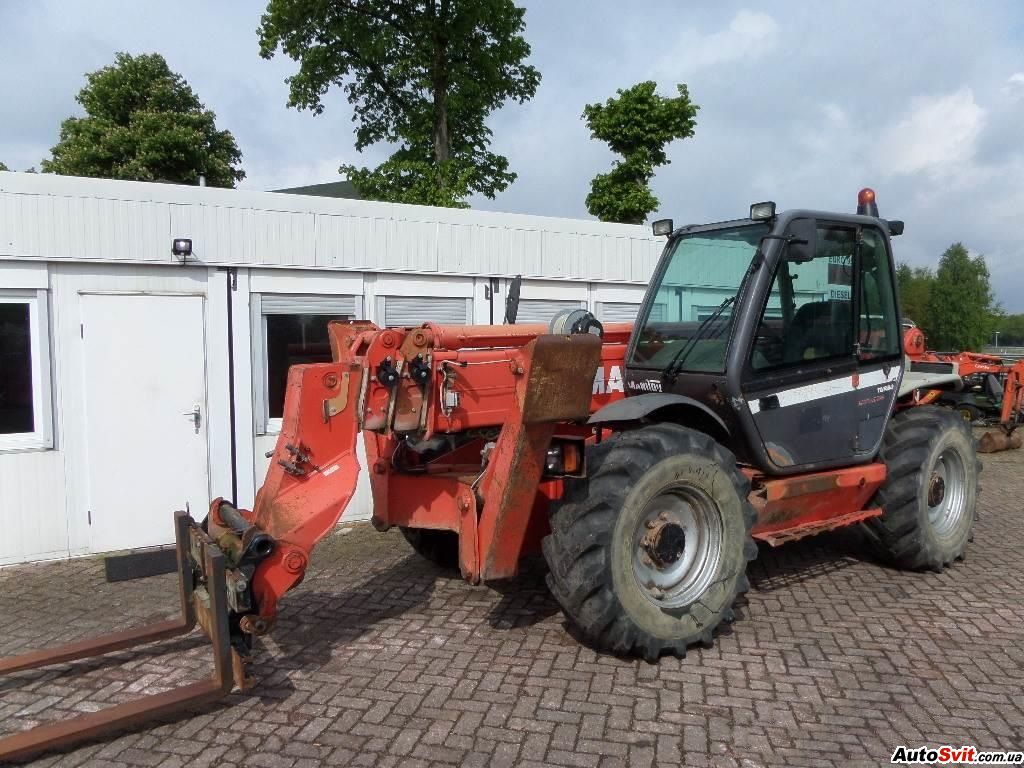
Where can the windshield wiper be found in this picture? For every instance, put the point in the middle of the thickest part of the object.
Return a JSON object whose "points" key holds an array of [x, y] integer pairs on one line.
{"points": [[676, 363]]}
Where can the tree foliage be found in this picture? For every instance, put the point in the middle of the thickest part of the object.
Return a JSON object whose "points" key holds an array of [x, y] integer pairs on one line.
{"points": [[143, 122], [1011, 330], [4, 167], [962, 310], [915, 285], [637, 124], [420, 74]]}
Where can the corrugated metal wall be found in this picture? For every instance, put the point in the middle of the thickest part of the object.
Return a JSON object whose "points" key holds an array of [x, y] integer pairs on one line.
{"points": [[63, 218], [395, 265]]}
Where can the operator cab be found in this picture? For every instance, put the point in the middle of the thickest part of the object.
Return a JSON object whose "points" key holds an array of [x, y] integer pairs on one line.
{"points": [[781, 330]]}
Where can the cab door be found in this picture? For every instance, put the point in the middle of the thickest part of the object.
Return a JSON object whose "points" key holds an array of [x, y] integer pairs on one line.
{"points": [[801, 381], [878, 346]]}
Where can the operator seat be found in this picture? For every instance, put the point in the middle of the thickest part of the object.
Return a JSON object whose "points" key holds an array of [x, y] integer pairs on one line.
{"points": [[823, 327]]}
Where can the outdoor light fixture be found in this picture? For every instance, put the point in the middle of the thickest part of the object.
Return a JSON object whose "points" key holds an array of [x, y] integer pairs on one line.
{"points": [[182, 248], [662, 227], [762, 211]]}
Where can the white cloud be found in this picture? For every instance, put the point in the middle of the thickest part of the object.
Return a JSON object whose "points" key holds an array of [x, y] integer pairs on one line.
{"points": [[938, 136], [1015, 85], [750, 34]]}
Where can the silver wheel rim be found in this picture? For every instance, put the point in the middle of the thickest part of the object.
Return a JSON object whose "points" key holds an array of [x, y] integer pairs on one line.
{"points": [[676, 546], [946, 492]]}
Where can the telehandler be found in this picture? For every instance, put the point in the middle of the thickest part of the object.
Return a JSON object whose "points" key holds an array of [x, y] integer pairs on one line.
{"points": [[762, 395]]}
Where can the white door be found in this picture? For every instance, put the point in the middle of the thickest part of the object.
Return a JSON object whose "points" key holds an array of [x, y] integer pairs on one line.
{"points": [[145, 405]]}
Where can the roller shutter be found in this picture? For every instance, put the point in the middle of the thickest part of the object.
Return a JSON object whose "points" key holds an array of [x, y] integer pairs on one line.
{"points": [[542, 310], [294, 304], [617, 311], [413, 311]]}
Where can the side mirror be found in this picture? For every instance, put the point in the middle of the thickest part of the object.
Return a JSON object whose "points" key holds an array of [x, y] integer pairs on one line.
{"points": [[801, 240], [895, 228]]}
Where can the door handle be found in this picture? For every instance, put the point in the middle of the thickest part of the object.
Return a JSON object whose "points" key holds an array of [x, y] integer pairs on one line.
{"points": [[196, 414], [769, 403]]}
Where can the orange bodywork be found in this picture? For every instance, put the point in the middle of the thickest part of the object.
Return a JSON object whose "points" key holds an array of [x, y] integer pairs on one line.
{"points": [[457, 422], [458, 425], [801, 505], [969, 364]]}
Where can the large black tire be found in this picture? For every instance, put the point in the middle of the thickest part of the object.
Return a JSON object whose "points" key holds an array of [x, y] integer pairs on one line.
{"points": [[439, 547], [930, 495], [649, 552]]}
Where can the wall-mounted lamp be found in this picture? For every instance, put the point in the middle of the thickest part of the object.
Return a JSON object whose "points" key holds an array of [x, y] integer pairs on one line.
{"points": [[182, 248]]}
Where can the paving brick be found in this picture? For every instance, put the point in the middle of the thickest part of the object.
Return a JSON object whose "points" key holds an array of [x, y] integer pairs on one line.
{"points": [[381, 659]]}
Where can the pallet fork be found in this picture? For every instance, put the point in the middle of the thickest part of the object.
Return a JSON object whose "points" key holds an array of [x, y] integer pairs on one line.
{"points": [[203, 590]]}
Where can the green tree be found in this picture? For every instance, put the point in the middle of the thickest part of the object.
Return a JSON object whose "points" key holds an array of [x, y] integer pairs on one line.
{"points": [[961, 306], [637, 124], [915, 286], [1011, 330], [143, 122], [4, 167], [420, 74]]}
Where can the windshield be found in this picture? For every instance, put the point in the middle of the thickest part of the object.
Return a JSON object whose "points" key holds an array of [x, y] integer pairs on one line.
{"points": [[687, 326]]}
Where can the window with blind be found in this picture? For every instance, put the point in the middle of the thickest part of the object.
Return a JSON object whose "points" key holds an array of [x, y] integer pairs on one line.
{"points": [[414, 311], [542, 310], [293, 331], [617, 311]]}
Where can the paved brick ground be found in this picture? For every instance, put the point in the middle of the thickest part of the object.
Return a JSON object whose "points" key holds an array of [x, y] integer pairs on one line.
{"points": [[380, 659]]}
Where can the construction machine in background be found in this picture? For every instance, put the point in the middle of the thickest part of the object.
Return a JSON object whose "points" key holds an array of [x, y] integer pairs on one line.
{"points": [[989, 390], [763, 395]]}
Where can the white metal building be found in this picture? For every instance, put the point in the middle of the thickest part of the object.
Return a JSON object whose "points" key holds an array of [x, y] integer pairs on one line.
{"points": [[122, 369]]}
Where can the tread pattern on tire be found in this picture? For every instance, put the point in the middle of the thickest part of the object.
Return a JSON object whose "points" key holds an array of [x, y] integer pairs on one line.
{"points": [[906, 444], [577, 550]]}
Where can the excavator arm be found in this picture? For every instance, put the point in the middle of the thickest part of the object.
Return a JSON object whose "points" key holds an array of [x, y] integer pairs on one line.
{"points": [[928, 371]]}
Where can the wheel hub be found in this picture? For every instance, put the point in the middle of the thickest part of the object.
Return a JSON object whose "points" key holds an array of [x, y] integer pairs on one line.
{"points": [[936, 490], [947, 493], [665, 543], [677, 544]]}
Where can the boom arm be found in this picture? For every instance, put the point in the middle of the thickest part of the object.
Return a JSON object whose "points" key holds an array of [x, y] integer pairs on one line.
{"points": [[457, 422]]}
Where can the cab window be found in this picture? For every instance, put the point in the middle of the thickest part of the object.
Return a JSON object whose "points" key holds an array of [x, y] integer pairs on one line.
{"points": [[809, 313], [878, 328]]}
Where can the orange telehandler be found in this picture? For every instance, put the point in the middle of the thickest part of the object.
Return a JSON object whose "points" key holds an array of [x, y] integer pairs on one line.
{"points": [[645, 461]]}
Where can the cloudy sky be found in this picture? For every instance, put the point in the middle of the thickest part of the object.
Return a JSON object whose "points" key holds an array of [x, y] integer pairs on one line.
{"points": [[802, 103]]}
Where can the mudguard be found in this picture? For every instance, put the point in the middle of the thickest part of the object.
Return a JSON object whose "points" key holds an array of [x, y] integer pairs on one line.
{"points": [[638, 407]]}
